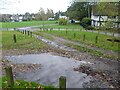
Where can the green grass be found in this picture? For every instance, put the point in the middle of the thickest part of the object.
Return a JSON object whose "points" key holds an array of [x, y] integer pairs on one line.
{"points": [[23, 41], [89, 39], [25, 23], [68, 26], [91, 51], [24, 84]]}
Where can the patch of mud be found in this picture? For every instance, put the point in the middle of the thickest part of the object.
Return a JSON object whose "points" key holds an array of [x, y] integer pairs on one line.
{"points": [[101, 79], [19, 68]]}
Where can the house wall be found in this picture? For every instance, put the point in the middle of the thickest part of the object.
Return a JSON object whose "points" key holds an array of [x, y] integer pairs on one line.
{"points": [[95, 20]]}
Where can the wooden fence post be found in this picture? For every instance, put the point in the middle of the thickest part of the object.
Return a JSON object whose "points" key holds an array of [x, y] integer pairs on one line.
{"points": [[113, 34], [96, 39], [62, 83], [23, 31], [74, 35], [28, 33], [66, 31], [14, 38], [98, 32], [105, 32], [31, 34], [84, 37], [9, 76]]}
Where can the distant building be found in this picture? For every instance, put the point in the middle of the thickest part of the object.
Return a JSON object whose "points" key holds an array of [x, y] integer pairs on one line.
{"points": [[64, 17], [51, 19], [100, 18]]}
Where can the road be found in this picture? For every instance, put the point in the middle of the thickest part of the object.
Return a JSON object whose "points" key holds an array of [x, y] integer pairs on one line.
{"points": [[31, 28]]}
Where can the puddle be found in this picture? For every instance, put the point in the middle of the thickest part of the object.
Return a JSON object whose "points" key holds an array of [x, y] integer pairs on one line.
{"points": [[53, 68]]}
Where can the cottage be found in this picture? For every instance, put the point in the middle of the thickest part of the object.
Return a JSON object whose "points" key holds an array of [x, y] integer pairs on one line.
{"points": [[99, 17]]}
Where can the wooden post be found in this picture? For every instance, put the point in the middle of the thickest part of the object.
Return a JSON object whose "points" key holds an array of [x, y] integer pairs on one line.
{"points": [[84, 37], [105, 32], [14, 29], [66, 31], [25, 31], [74, 35], [31, 34], [113, 34], [28, 33], [62, 83], [14, 38], [96, 39], [9, 76], [98, 31]]}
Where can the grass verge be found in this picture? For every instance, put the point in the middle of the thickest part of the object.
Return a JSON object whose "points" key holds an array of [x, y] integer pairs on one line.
{"points": [[24, 84], [25, 23], [91, 51], [68, 26], [23, 41]]}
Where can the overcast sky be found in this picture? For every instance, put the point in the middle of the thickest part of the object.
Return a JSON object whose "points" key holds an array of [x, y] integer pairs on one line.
{"points": [[32, 6]]}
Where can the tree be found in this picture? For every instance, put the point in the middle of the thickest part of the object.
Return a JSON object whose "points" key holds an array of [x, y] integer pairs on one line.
{"points": [[27, 16], [79, 10], [41, 15], [49, 13]]}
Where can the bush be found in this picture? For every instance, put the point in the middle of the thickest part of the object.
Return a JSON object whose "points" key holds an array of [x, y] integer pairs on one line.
{"points": [[90, 28], [84, 25], [86, 21], [63, 21]]}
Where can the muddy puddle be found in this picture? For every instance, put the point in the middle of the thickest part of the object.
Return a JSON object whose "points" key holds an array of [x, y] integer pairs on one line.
{"points": [[52, 68]]}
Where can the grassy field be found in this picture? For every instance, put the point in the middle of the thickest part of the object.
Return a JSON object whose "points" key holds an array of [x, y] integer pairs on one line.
{"points": [[68, 26], [25, 23], [24, 84], [23, 41], [90, 51], [90, 39]]}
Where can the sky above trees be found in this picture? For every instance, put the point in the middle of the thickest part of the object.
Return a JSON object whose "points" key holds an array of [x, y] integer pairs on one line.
{"points": [[32, 6]]}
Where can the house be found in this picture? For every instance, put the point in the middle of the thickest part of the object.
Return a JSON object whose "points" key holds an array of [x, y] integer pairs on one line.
{"points": [[99, 17], [51, 19], [63, 17], [16, 18]]}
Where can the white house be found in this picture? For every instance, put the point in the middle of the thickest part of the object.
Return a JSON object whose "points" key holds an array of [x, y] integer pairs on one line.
{"points": [[99, 18], [51, 19], [64, 17]]}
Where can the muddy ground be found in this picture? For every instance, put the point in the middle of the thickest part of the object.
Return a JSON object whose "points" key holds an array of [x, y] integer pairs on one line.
{"points": [[103, 71]]}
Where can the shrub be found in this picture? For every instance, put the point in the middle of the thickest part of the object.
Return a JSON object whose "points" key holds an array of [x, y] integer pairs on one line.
{"points": [[63, 21], [83, 24], [86, 21], [90, 28]]}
